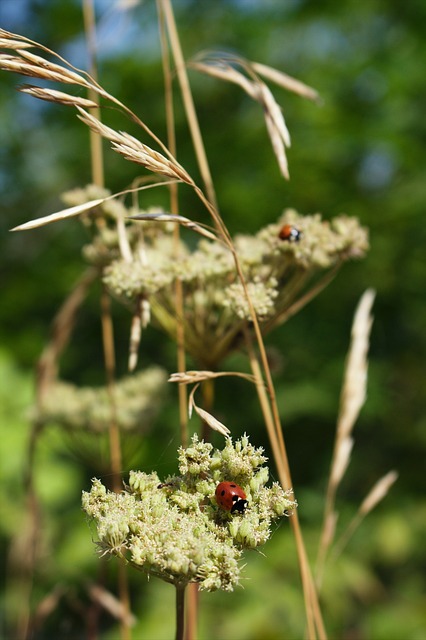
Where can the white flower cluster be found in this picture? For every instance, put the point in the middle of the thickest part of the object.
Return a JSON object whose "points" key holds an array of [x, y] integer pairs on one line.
{"points": [[175, 530], [279, 274], [88, 409]]}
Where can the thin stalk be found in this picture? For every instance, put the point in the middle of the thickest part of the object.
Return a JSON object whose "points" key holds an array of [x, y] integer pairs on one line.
{"points": [[24, 626], [115, 444], [192, 608], [174, 208], [106, 319], [283, 467], [181, 364], [297, 305], [109, 361], [262, 394], [95, 138], [191, 613], [188, 101], [207, 389], [47, 366], [270, 427], [180, 611]]}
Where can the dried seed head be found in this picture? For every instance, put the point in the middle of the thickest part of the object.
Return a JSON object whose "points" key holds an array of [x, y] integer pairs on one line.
{"points": [[59, 97]]}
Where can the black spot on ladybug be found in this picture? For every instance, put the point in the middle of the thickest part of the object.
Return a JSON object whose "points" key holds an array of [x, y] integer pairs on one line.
{"points": [[231, 497], [289, 233]]}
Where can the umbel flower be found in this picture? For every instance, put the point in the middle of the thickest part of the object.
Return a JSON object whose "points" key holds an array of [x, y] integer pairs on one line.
{"points": [[175, 530], [88, 409], [141, 261]]}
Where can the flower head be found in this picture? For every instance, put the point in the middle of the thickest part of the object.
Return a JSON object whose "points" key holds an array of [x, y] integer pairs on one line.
{"points": [[281, 276], [175, 530]]}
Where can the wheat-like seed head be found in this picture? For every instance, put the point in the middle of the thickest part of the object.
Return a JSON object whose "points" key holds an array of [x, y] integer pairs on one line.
{"points": [[134, 150], [59, 97], [222, 66]]}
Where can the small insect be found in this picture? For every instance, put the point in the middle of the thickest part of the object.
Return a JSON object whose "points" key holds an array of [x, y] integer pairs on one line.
{"points": [[231, 497], [289, 233], [166, 484]]}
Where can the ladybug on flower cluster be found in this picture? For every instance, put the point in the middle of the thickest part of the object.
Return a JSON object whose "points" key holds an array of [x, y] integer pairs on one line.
{"points": [[289, 233], [231, 497]]}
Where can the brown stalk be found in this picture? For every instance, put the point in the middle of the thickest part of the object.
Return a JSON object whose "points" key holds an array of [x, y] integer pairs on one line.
{"points": [[189, 619], [47, 366], [174, 208], [95, 140], [188, 100], [297, 305], [312, 607], [285, 480], [106, 318]]}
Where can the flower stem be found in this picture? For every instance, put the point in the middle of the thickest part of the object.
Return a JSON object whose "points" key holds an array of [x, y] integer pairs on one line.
{"points": [[180, 611]]}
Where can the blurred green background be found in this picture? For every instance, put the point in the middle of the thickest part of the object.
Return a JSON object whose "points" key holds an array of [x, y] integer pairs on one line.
{"points": [[360, 152]]}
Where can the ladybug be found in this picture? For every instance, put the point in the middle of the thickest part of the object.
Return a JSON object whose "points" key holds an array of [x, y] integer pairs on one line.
{"points": [[289, 233], [231, 497]]}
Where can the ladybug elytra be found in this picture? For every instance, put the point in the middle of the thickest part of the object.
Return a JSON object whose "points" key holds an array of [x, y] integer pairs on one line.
{"points": [[289, 233], [231, 497]]}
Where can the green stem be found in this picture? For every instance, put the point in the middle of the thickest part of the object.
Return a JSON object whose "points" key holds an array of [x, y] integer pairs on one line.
{"points": [[180, 611]]}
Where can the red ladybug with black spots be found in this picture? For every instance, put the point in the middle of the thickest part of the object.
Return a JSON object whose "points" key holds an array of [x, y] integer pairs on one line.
{"points": [[231, 497], [289, 233]]}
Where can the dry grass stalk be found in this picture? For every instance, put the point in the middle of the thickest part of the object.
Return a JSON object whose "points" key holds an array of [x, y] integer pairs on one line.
{"points": [[52, 95], [351, 401], [135, 151], [43, 72], [277, 129], [76, 210], [110, 603], [269, 410], [341, 462], [9, 43], [29, 64], [185, 222], [285, 81], [135, 339], [376, 495], [224, 71], [223, 67], [378, 492], [34, 66], [20, 43], [60, 215], [140, 320], [166, 12], [207, 417], [355, 383], [123, 240], [191, 377], [258, 91], [48, 605], [62, 327], [96, 150]]}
